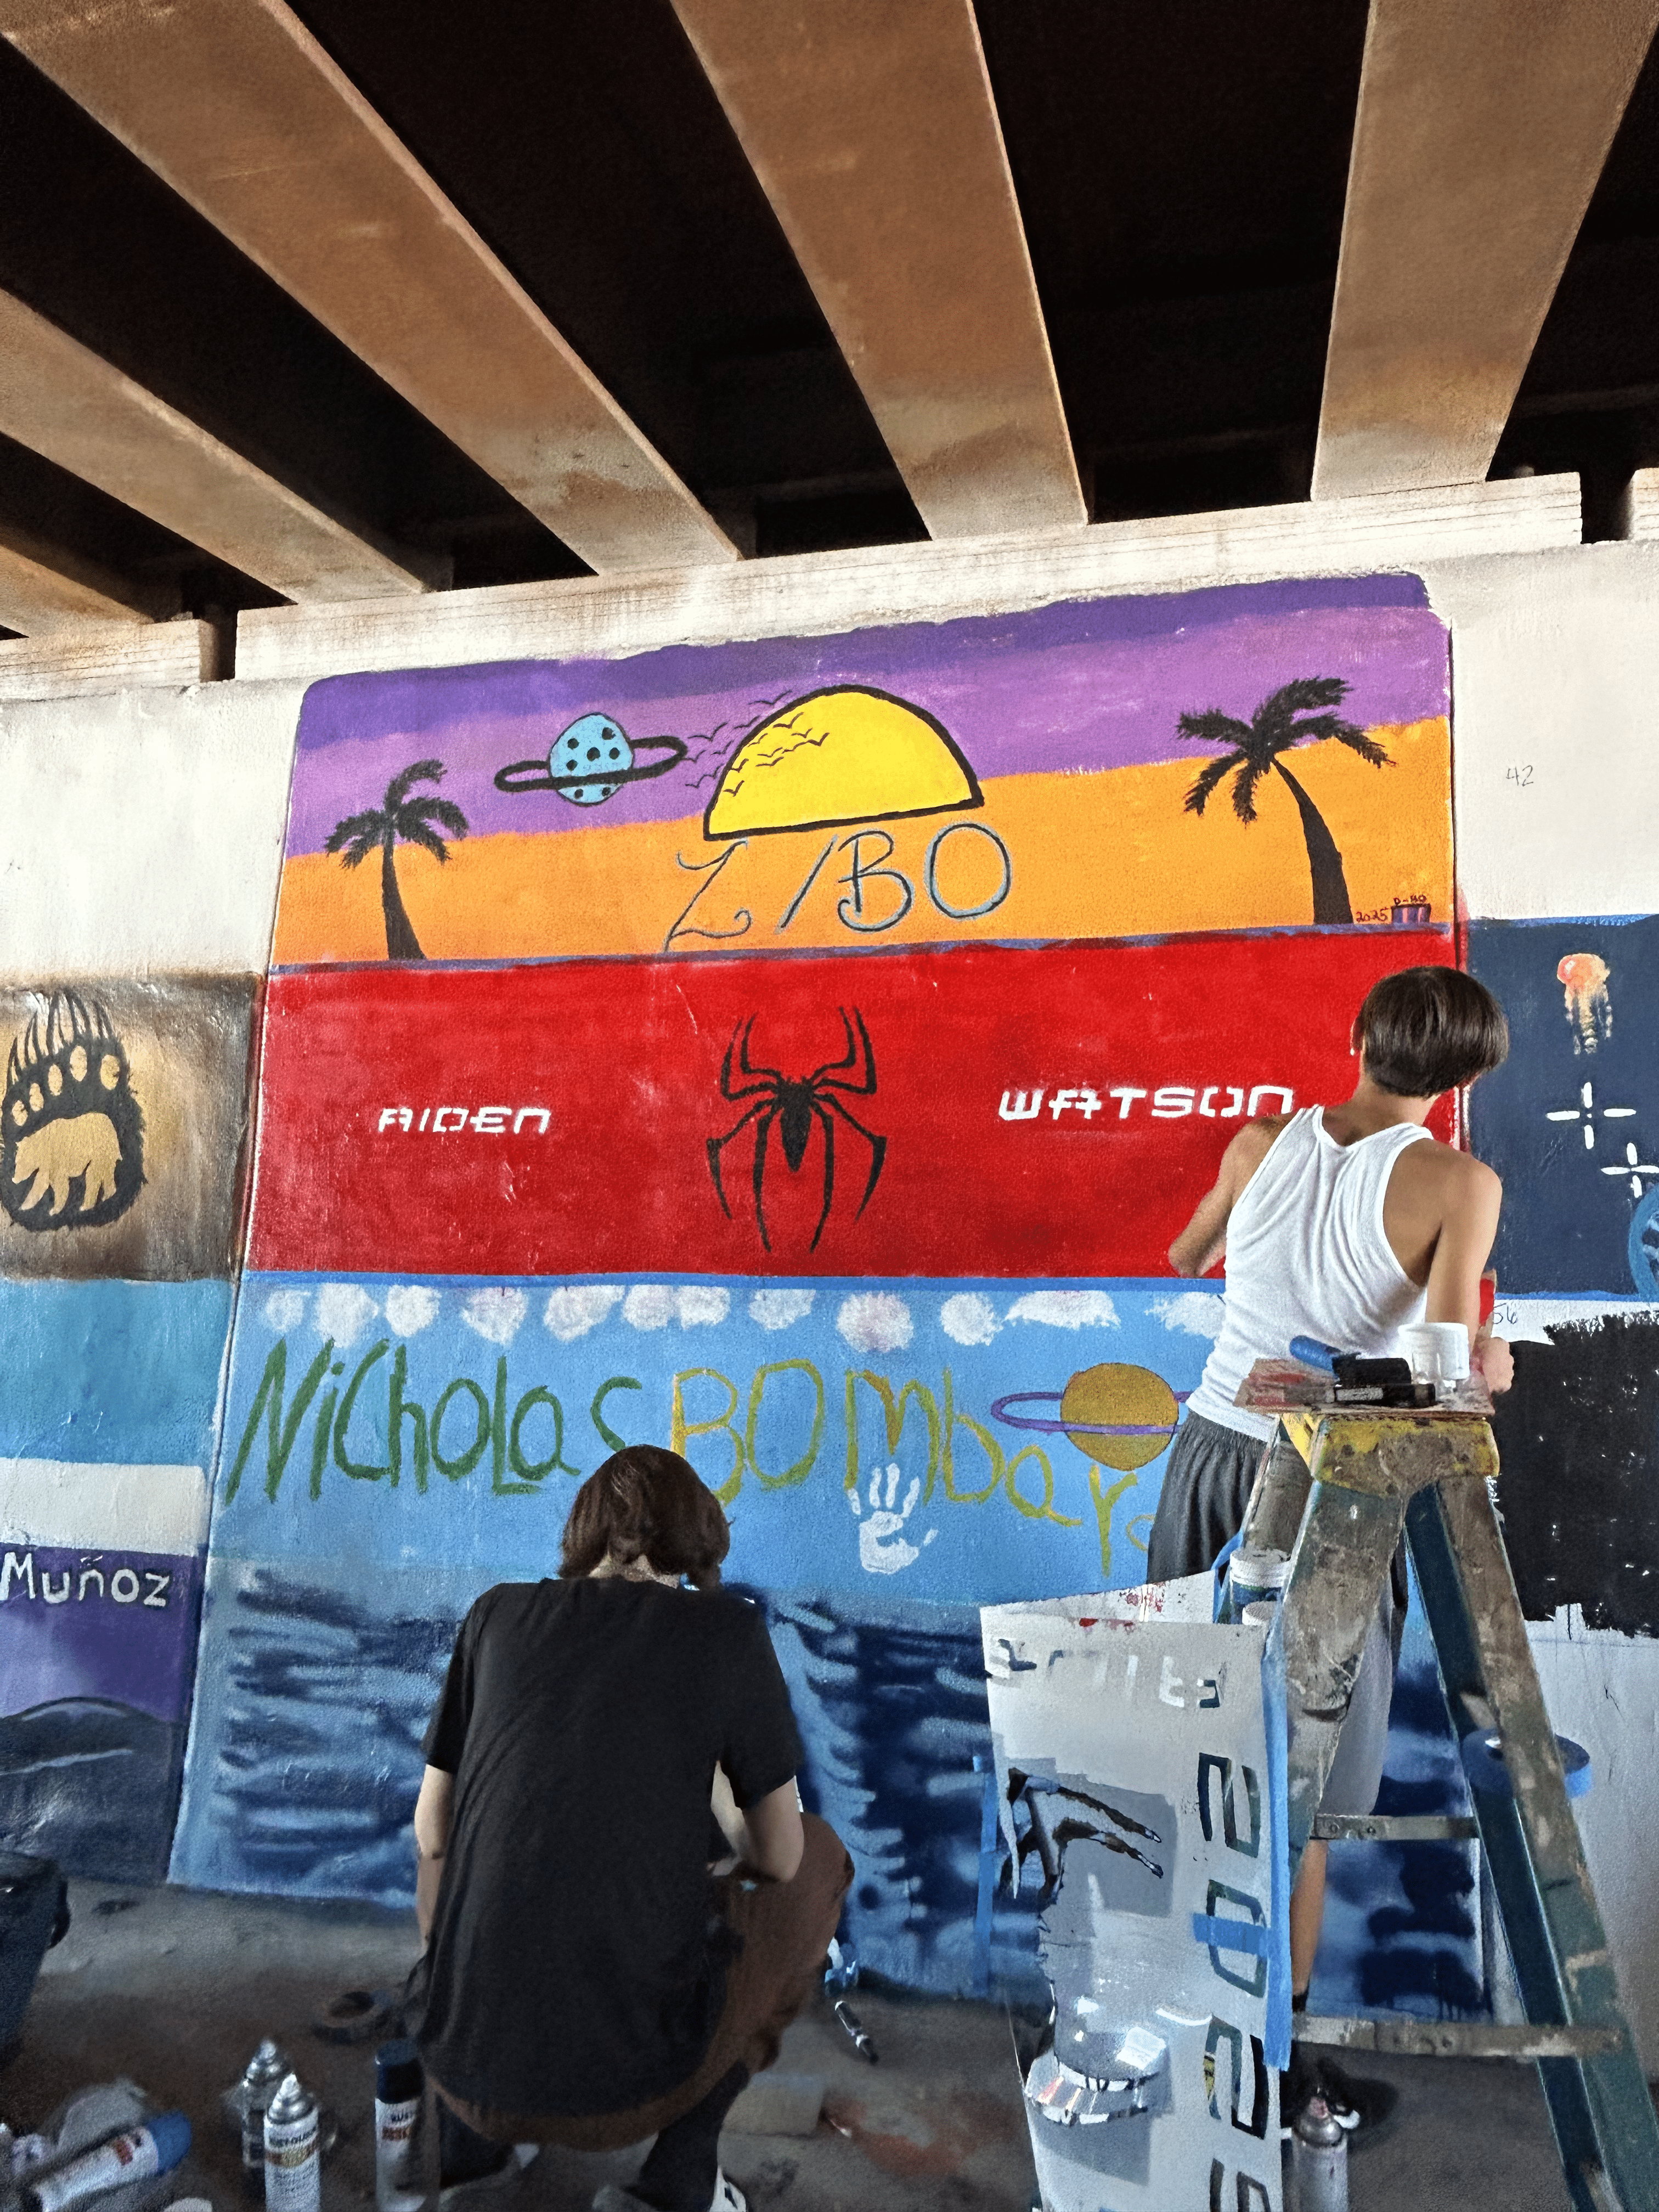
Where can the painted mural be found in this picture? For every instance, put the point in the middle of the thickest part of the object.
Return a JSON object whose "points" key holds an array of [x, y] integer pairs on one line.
{"points": [[1572, 1118], [122, 1124], [106, 1458], [887, 1451], [123, 1121], [1110, 769], [801, 1052], [122, 1140], [968, 1110]]}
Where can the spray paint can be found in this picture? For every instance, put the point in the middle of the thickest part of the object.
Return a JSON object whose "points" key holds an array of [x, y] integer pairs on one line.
{"points": [[258, 2085], [155, 2148], [293, 2165], [855, 2028], [1319, 2159], [399, 2103]]}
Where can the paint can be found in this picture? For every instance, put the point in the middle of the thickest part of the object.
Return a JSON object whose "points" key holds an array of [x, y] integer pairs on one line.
{"points": [[293, 2159], [135, 2155], [251, 2095], [399, 2105], [1319, 2159], [1256, 1578], [1437, 1351]]}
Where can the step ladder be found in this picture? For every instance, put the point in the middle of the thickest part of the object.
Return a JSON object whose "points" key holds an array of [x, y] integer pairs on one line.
{"points": [[1337, 1487]]}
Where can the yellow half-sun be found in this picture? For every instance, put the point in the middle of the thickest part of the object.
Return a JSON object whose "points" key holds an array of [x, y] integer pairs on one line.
{"points": [[846, 755]]}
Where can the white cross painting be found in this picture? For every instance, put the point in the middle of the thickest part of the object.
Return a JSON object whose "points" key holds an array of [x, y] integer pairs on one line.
{"points": [[1141, 1780]]}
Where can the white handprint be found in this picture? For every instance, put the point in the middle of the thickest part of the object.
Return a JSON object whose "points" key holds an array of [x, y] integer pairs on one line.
{"points": [[883, 1548]]}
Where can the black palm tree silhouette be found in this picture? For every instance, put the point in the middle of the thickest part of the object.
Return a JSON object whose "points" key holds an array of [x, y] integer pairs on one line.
{"points": [[399, 818], [1285, 721]]}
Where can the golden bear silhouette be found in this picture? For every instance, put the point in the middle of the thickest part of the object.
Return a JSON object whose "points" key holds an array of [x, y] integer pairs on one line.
{"points": [[71, 1133]]}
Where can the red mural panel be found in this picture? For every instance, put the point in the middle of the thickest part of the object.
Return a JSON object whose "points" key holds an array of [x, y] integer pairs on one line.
{"points": [[981, 1111]]}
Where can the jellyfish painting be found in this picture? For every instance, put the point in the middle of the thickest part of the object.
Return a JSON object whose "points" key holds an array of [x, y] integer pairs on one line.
{"points": [[1584, 976]]}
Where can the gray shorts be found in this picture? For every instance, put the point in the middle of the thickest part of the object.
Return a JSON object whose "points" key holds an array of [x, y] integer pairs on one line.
{"points": [[1206, 1487]]}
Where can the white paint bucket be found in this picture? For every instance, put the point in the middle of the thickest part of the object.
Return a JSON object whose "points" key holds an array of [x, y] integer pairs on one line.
{"points": [[1438, 1351]]}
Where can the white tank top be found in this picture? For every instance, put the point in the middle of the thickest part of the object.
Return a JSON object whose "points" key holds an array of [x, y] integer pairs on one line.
{"points": [[1307, 1256]]}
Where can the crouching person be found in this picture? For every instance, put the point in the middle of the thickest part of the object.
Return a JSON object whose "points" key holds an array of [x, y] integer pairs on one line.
{"points": [[600, 1966]]}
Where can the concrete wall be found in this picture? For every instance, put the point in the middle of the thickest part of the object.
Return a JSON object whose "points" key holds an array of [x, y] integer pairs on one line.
{"points": [[1556, 666], [921, 1336], [142, 845]]}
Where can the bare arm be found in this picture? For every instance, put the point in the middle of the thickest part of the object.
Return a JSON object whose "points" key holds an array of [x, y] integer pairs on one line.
{"points": [[768, 1838], [433, 1810], [1202, 1244], [1461, 1250]]}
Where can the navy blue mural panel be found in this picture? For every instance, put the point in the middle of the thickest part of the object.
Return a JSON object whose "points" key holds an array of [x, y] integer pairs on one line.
{"points": [[1571, 1120]]}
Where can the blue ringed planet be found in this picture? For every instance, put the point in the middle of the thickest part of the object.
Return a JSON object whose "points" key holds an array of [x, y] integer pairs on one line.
{"points": [[590, 761]]}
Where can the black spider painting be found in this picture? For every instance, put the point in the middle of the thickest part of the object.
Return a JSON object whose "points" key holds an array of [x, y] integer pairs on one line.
{"points": [[792, 1104]]}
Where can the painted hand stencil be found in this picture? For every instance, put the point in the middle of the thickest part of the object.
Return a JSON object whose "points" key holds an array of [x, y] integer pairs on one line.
{"points": [[884, 1548], [72, 1155]]}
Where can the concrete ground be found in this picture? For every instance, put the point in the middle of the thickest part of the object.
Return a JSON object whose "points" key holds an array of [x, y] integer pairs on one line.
{"points": [[175, 1989]]}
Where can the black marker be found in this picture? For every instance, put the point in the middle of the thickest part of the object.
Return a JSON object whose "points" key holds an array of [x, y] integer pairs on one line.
{"points": [[855, 2027]]}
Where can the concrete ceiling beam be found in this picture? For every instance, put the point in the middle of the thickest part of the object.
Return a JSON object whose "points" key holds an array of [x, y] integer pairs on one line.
{"points": [[1482, 127], [61, 399], [239, 109], [46, 591], [873, 131]]}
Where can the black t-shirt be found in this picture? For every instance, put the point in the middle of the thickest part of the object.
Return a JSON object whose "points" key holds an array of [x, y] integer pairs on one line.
{"points": [[574, 1966]]}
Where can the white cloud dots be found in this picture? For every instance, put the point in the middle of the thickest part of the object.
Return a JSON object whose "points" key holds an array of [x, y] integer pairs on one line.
{"points": [[780, 1308], [1066, 1309], [1197, 1312], [344, 1311], [284, 1310], [697, 1305], [875, 1321], [410, 1307], [574, 1309], [968, 1318], [496, 1314], [648, 1305]]}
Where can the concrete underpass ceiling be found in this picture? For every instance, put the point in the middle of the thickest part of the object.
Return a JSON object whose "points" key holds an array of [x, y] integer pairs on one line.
{"points": [[731, 292]]}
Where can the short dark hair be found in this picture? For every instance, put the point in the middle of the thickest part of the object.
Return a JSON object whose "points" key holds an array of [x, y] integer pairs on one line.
{"points": [[1428, 1030], [647, 1503]]}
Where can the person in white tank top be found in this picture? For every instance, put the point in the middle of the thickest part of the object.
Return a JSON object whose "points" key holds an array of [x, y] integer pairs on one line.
{"points": [[1345, 1223]]}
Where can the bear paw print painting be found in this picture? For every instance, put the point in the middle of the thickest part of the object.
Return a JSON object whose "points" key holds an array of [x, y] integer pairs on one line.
{"points": [[72, 1152]]}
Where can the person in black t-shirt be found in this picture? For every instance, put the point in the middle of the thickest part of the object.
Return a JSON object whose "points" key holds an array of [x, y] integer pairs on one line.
{"points": [[590, 1978]]}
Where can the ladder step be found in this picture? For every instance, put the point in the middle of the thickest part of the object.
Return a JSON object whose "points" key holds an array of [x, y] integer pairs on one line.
{"points": [[1396, 1828], [1448, 2039]]}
